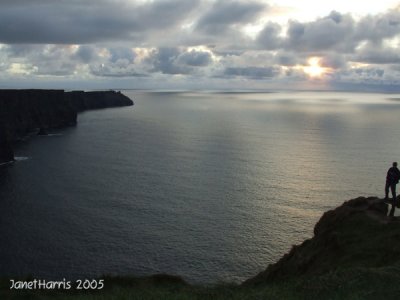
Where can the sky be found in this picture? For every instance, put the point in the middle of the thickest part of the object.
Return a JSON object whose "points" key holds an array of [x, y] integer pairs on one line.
{"points": [[200, 44]]}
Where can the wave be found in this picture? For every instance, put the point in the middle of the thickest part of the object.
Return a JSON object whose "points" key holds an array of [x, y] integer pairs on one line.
{"points": [[21, 158], [50, 134], [6, 163]]}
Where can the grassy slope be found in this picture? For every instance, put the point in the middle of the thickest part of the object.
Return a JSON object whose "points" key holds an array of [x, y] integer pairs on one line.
{"points": [[353, 283]]}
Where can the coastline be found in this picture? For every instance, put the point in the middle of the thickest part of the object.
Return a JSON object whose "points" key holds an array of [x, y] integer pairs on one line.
{"points": [[354, 251], [37, 111]]}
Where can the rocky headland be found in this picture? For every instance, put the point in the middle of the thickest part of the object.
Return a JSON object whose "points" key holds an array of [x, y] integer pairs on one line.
{"points": [[26, 111], [357, 234]]}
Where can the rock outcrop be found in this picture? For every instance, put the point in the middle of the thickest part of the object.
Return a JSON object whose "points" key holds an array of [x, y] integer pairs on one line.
{"points": [[24, 111], [358, 234]]}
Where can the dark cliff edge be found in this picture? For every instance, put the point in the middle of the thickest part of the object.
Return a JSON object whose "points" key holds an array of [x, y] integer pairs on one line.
{"points": [[25, 111], [356, 239]]}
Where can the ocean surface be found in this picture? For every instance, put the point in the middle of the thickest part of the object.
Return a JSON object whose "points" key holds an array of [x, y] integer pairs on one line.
{"points": [[209, 186]]}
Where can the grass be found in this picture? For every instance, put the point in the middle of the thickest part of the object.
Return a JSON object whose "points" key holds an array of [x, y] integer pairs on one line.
{"points": [[351, 283]]}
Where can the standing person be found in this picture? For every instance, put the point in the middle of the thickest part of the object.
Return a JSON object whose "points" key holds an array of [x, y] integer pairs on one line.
{"points": [[392, 178]]}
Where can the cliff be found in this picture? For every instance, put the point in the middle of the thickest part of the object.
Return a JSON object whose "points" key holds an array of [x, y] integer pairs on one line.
{"points": [[23, 111], [81, 101], [356, 235]]}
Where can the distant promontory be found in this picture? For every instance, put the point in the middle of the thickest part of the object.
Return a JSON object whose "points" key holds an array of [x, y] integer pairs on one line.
{"points": [[25, 111]]}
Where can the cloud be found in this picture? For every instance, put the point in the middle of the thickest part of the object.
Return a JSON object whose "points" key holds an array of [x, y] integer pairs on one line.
{"points": [[16, 51], [376, 28], [196, 58], [225, 13], [80, 22], [269, 38], [235, 41], [56, 60], [368, 77], [118, 53], [86, 53], [333, 60], [333, 32], [374, 75], [252, 72], [121, 68], [377, 54], [164, 60], [287, 59], [175, 60]]}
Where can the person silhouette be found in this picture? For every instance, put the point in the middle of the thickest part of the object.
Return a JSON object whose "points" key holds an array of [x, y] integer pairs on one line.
{"points": [[392, 178]]}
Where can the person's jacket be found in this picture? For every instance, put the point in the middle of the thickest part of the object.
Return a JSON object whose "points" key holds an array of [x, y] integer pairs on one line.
{"points": [[393, 175]]}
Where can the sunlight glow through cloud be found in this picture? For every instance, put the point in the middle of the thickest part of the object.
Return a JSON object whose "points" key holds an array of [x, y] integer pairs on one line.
{"points": [[314, 69]]}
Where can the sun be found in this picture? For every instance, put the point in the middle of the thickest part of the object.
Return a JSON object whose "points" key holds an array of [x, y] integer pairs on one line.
{"points": [[314, 68]]}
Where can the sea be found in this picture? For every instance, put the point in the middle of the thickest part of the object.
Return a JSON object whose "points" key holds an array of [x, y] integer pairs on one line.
{"points": [[210, 186]]}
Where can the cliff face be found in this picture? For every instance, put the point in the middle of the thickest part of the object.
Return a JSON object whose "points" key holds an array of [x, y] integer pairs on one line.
{"points": [[22, 111], [358, 234], [81, 101]]}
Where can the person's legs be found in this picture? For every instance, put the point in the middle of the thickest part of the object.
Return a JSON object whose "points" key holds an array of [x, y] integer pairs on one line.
{"points": [[391, 212], [393, 190], [387, 190]]}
